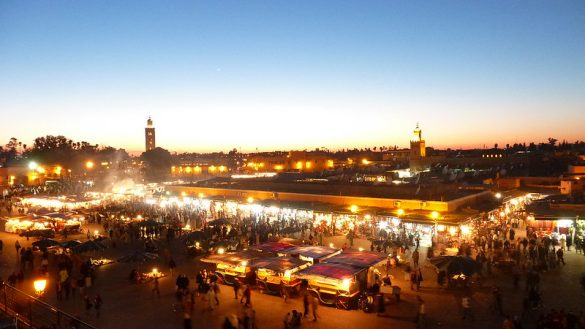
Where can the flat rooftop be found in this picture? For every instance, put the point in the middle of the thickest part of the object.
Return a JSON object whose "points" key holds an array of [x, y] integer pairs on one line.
{"points": [[430, 192]]}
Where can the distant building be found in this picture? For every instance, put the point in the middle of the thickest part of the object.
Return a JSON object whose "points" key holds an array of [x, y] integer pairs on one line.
{"points": [[149, 135], [572, 186], [26, 175], [298, 161]]}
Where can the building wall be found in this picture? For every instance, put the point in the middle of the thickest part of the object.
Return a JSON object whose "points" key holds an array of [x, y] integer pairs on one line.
{"points": [[572, 186], [198, 171], [576, 169], [23, 175], [295, 161]]}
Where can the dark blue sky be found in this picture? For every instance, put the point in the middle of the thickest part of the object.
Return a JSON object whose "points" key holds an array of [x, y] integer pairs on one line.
{"points": [[292, 74]]}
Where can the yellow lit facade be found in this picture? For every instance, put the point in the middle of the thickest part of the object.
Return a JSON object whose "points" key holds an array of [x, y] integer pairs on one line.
{"points": [[10, 176], [298, 161], [196, 170]]}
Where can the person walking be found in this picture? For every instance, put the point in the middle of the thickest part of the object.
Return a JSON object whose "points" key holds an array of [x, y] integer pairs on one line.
{"points": [[155, 288], [413, 278], [283, 291], [97, 303], [286, 320], [236, 287], [172, 266], [17, 246], [187, 320], [466, 306], [421, 313], [419, 278], [415, 257], [381, 304], [306, 304], [560, 256], [315, 306], [211, 298], [247, 296], [215, 288], [88, 304]]}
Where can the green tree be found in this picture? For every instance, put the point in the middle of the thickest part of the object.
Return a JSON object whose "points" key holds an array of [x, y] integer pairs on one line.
{"points": [[157, 164]]}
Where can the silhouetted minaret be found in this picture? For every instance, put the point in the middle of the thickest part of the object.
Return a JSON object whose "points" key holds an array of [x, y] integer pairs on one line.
{"points": [[149, 135]]}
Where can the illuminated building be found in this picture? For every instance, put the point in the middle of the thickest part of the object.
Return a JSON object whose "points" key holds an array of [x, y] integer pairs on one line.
{"points": [[149, 135], [294, 161]]}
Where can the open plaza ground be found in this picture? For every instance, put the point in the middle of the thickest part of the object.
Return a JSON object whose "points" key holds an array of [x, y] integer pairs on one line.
{"points": [[131, 305]]}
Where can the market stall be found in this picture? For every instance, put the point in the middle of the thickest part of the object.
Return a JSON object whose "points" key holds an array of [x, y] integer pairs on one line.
{"points": [[334, 284], [312, 254], [149, 276], [233, 266], [276, 271], [361, 259], [278, 248]]}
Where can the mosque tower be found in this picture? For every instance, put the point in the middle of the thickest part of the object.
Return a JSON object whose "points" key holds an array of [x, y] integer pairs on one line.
{"points": [[149, 135], [417, 144]]}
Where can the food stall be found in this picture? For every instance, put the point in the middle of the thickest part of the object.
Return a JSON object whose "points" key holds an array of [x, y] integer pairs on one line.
{"points": [[149, 276], [274, 270], [361, 259], [233, 266], [334, 284], [312, 254], [21, 224], [278, 248]]}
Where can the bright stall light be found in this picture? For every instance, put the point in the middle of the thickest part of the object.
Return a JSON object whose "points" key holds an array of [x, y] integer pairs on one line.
{"points": [[564, 223], [465, 229], [345, 284]]}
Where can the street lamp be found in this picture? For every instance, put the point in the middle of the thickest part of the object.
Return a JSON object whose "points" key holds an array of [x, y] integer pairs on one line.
{"points": [[498, 195], [32, 165], [40, 286], [353, 208], [434, 215], [89, 164]]}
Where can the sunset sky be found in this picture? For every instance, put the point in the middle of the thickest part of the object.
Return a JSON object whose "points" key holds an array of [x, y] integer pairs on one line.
{"points": [[216, 75]]}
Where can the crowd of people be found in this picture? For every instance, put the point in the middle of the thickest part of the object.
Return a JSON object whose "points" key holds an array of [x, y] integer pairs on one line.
{"points": [[505, 245]]}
